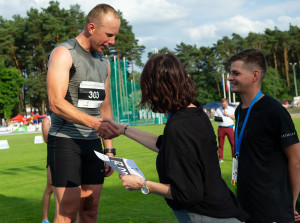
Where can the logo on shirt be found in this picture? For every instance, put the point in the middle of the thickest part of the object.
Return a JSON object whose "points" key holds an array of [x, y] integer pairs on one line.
{"points": [[288, 135]]}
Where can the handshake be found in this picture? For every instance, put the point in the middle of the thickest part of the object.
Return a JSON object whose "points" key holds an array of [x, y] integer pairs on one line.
{"points": [[108, 128]]}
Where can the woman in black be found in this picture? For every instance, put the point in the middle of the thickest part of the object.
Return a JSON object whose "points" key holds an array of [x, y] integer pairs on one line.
{"points": [[187, 161]]}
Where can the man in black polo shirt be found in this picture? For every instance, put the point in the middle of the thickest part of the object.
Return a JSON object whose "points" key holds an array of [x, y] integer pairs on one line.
{"points": [[268, 176]]}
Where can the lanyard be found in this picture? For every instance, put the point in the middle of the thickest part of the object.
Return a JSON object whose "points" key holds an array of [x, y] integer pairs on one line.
{"points": [[238, 139], [169, 116]]}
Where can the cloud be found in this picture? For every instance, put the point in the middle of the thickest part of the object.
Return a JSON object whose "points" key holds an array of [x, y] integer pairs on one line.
{"points": [[41, 2], [17, 7], [211, 32], [285, 21], [150, 11], [242, 25], [275, 9], [202, 33], [212, 9], [158, 42], [144, 40]]}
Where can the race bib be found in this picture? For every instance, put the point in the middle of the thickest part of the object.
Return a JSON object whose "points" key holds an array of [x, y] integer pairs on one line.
{"points": [[234, 170], [90, 94]]}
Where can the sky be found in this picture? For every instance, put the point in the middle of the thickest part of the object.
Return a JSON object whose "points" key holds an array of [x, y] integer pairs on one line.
{"points": [[167, 23]]}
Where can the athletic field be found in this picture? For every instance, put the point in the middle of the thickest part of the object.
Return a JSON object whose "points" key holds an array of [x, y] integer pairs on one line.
{"points": [[23, 181]]}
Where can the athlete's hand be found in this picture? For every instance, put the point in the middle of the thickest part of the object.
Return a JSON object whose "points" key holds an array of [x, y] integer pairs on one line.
{"points": [[108, 170], [105, 130], [119, 127], [297, 216]]}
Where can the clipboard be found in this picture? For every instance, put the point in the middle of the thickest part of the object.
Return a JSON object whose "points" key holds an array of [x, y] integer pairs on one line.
{"points": [[218, 119]]}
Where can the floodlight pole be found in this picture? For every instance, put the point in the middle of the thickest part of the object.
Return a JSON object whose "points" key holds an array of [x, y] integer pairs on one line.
{"points": [[224, 85], [126, 91], [229, 91], [116, 82], [296, 90]]}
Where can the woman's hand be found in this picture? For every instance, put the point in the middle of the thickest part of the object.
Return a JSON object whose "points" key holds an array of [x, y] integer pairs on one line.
{"points": [[132, 182], [116, 125]]}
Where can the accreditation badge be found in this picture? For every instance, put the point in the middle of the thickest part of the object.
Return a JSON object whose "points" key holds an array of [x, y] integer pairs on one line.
{"points": [[90, 94], [234, 170]]}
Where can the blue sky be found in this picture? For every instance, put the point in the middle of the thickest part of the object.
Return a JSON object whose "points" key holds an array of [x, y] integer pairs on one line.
{"points": [[165, 23]]}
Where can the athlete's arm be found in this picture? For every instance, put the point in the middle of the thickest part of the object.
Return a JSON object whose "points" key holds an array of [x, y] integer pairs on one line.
{"points": [[106, 112], [105, 108], [293, 154], [59, 65], [45, 128]]}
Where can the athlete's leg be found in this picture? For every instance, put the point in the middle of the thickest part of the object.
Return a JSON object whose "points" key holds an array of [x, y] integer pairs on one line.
{"points": [[65, 163], [92, 181], [67, 201], [89, 203], [47, 195]]}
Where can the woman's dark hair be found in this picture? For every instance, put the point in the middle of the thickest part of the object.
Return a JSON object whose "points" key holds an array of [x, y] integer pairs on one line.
{"points": [[165, 85]]}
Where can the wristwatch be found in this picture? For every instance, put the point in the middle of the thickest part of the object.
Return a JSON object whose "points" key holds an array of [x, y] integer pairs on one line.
{"points": [[144, 188], [113, 150]]}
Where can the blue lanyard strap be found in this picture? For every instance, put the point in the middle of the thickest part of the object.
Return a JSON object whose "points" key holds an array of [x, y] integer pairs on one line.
{"points": [[238, 138], [169, 116]]}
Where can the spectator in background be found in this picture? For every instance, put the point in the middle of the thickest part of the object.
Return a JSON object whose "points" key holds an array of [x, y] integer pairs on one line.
{"points": [[225, 127], [212, 112], [267, 145], [46, 123]]}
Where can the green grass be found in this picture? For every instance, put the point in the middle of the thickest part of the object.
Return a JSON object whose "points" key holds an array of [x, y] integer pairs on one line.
{"points": [[293, 110], [23, 180]]}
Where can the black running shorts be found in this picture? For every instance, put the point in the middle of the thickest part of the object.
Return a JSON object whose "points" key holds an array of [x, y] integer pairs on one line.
{"points": [[73, 162]]}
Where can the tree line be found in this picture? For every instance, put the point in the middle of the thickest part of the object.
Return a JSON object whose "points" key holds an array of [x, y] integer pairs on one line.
{"points": [[26, 42], [206, 64]]}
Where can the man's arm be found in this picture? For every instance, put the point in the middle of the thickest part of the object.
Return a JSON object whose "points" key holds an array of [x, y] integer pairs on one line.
{"points": [[45, 128], [293, 154], [106, 112], [105, 108], [230, 114], [59, 66]]}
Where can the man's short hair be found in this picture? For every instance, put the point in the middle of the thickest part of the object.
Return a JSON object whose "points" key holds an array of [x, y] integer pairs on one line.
{"points": [[223, 100], [98, 12], [252, 57]]}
